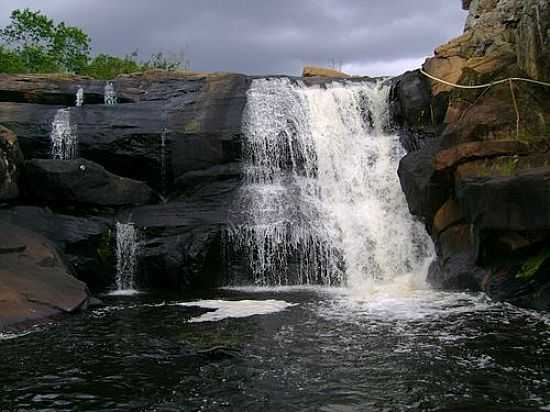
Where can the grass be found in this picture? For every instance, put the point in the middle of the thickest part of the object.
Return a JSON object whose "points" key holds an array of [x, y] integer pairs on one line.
{"points": [[532, 265]]}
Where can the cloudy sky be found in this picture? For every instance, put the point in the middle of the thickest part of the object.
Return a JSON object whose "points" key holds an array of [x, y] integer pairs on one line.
{"points": [[370, 37]]}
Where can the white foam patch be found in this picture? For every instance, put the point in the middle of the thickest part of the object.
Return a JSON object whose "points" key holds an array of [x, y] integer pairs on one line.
{"points": [[236, 309], [125, 292], [9, 336]]}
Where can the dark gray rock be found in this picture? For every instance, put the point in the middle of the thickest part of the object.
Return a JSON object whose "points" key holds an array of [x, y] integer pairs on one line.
{"points": [[80, 182], [11, 160], [512, 203], [425, 189], [199, 115], [181, 242], [34, 281]]}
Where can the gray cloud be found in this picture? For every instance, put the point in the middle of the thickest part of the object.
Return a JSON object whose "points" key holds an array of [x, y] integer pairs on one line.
{"points": [[264, 36]]}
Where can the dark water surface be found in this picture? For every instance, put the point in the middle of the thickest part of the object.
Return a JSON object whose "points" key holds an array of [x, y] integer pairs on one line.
{"points": [[389, 351]]}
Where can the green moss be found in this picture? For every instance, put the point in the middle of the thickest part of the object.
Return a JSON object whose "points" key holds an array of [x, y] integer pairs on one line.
{"points": [[192, 127], [105, 247], [532, 265], [507, 167]]}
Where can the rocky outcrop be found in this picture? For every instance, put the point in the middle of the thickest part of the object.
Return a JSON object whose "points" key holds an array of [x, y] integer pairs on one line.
{"points": [[11, 160], [316, 71], [80, 182], [86, 242], [197, 115], [34, 281], [177, 132], [481, 185], [181, 241]]}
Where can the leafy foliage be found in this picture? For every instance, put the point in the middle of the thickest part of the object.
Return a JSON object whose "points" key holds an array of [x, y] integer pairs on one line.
{"points": [[532, 265], [44, 46], [34, 43]]}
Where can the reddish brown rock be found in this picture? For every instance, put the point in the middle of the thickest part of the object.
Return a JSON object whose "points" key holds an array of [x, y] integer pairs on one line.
{"points": [[450, 158], [34, 281], [448, 215]]}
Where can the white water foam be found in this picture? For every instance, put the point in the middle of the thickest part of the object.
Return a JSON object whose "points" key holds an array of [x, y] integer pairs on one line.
{"points": [[110, 96], [79, 99], [323, 200], [126, 259], [63, 136], [236, 309]]}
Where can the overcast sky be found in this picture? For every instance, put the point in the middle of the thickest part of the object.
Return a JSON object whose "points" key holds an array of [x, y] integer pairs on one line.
{"points": [[370, 37]]}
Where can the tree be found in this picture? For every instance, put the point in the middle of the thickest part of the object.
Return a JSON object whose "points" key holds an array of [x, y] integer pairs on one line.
{"points": [[45, 46]]}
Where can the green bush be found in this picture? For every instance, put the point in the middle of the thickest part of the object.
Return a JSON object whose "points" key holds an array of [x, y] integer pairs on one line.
{"points": [[108, 67]]}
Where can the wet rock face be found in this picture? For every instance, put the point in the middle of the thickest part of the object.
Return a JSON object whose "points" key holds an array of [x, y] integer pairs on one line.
{"points": [[171, 132], [11, 160], [81, 182], [34, 281], [198, 115]]}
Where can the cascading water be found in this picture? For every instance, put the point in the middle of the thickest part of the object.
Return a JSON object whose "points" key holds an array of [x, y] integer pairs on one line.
{"points": [[321, 188], [109, 94], [126, 257], [79, 99], [63, 136], [163, 170]]}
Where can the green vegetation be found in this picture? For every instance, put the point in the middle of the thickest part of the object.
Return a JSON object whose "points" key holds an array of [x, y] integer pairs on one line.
{"points": [[34, 43], [532, 265]]}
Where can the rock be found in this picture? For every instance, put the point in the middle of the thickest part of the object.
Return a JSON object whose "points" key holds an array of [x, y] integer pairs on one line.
{"points": [[448, 215], [426, 191], [503, 166], [196, 179], [316, 71], [411, 103], [180, 243], [512, 203], [450, 158], [81, 182], [459, 272], [533, 39], [198, 114], [87, 242], [11, 160], [34, 281]]}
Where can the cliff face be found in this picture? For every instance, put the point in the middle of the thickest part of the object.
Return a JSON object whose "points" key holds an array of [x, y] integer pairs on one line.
{"points": [[482, 182]]}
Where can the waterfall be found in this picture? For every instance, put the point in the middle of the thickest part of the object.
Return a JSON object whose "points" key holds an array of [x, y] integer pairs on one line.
{"points": [[110, 96], [79, 99], [322, 200], [163, 171], [63, 136], [126, 257]]}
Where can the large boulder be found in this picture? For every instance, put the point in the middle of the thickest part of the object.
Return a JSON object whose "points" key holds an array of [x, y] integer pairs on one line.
{"points": [[87, 242], [81, 182], [426, 189], [516, 203], [34, 281], [11, 160]]}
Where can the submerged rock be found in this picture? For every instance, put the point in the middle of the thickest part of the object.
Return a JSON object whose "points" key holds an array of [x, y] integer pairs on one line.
{"points": [[34, 281]]}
